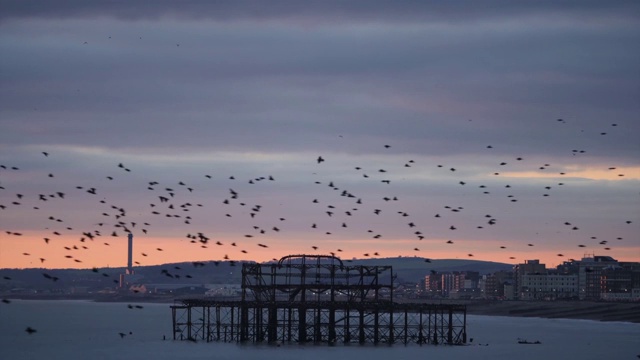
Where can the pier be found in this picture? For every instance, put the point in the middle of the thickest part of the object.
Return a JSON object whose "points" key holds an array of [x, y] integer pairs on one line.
{"points": [[317, 299]]}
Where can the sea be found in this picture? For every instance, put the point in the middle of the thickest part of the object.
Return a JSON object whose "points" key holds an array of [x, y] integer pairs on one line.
{"points": [[71, 329]]}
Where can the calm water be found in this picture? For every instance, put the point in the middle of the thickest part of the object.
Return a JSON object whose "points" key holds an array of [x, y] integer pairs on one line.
{"points": [[80, 329]]}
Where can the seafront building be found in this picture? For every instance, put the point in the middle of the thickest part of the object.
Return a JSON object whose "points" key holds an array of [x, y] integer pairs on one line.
{"points": [[548, 287], [530, 267], [498, 285], [620, 283], [592, 278], [456, 284]]}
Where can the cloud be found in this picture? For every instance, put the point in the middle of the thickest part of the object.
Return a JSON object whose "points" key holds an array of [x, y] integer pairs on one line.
{"points": [[249, 90], [313, 11], [414, 81]]}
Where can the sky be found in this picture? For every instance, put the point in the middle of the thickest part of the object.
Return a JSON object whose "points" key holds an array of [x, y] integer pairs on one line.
{"points": [[494, 131]]}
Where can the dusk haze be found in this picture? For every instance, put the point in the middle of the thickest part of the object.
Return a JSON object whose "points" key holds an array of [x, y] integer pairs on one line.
{"points": [[500, 132]]}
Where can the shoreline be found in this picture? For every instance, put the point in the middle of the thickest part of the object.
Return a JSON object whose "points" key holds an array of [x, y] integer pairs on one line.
{"points": [[583, 310]]}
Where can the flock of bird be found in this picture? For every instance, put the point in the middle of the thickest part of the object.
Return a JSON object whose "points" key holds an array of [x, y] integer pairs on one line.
{"points": [[336, 207]]}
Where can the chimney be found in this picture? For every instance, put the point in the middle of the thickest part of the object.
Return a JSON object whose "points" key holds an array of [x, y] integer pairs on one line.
{"points": [[130, 253]]}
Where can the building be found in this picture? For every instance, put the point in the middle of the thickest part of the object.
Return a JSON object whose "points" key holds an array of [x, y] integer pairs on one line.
{"points": [[589, 272], [621, 282], [529, 267], [591, 278], [493, 285], [548, 287], [432, 284], [442, 284]]}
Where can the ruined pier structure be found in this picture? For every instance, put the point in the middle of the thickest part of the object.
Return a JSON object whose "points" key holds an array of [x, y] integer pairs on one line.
{"points": [[317, 299]]}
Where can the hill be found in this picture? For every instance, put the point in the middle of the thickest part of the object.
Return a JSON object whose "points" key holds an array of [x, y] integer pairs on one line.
{"points": [[407, 269], [414, 269]]}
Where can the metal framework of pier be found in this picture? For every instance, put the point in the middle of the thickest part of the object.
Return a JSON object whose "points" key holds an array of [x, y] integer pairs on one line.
{"points": [[317, 299]]}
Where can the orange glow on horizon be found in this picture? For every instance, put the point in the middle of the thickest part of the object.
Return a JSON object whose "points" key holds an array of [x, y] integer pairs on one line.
{"points": [[591, 173], [100, 255]]}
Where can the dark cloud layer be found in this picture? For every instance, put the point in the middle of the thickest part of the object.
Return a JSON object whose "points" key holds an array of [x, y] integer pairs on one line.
{"points": [[312, 10], [417, 82], [538, 92]]}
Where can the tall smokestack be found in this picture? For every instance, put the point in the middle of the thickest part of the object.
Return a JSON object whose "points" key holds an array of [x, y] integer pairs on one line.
{"points": [[130, 253]]}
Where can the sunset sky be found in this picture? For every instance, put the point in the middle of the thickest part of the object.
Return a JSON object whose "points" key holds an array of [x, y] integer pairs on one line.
{"points": [[509, 130]]}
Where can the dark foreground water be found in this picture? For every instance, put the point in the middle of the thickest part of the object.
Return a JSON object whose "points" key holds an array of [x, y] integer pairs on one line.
{"points": [[87, 330]]}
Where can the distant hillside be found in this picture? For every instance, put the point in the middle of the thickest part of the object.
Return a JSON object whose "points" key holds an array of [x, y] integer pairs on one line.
{"points": [[413, 269], [407, 269], [179, 273]]}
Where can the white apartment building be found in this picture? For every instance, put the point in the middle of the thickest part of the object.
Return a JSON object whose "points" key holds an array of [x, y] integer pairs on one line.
{"points": [[548, 286]]}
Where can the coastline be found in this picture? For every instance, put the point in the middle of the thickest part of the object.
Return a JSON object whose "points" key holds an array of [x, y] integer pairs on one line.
{"points": [[585, 310]]}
